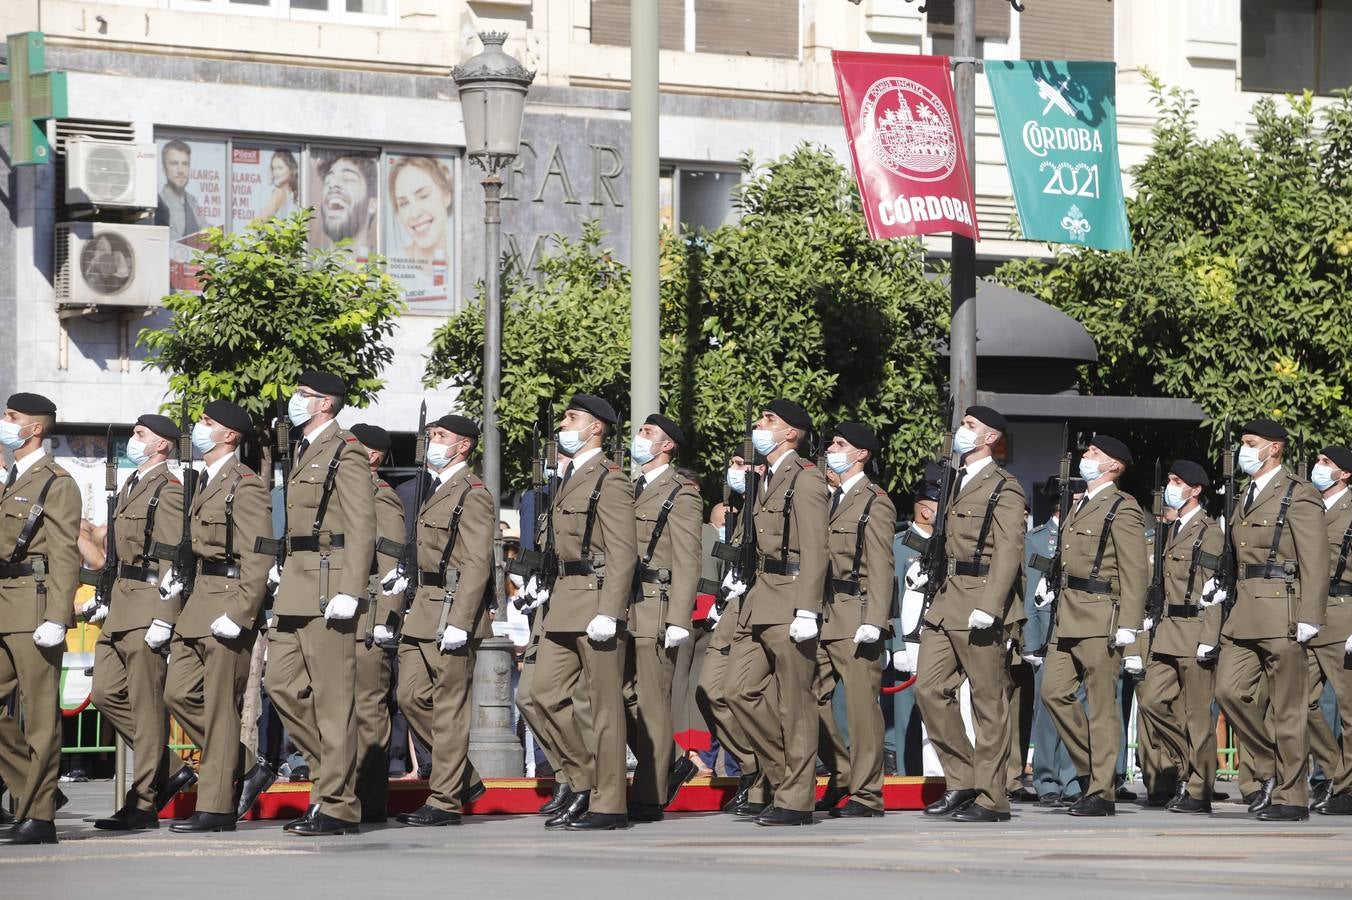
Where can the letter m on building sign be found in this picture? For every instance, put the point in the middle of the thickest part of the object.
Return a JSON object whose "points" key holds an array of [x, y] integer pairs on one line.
{"points": [[30, 95], [902, 127]]}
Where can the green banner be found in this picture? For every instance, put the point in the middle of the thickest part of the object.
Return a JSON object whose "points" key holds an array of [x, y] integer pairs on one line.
{"points": [[1058, 122]]}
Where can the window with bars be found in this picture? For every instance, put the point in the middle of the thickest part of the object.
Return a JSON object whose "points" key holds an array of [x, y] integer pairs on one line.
{"points": [[1295, 45]]}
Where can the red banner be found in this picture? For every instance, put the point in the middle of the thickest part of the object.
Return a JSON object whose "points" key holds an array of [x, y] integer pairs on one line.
{"points": [[902, 125]]}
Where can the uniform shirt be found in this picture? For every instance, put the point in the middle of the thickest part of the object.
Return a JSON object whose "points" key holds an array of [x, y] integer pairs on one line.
{"points": [[973, 469], [23, 465]]}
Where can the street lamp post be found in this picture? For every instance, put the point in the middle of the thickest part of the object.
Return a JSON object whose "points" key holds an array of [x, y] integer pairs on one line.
{"points": [[492, 87]]}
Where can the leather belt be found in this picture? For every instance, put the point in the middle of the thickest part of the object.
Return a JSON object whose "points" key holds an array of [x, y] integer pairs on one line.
{"points": [[15, 570], [1182, 611], [1089, 585], [652, 576], [218, 569], [309, 543], [708, 586], [1264, 571], [778, 567], [1341, 589], [148, 574], [967, 567], [845, 586], [431, 579], [576, 567]]}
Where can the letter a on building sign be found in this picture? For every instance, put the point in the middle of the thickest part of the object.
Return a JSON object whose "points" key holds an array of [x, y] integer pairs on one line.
{"points": [[909, 161], [1058, 122]]}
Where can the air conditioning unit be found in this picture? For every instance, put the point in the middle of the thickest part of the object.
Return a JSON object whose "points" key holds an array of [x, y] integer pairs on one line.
{"points": [[110, 174], [104, 264]]}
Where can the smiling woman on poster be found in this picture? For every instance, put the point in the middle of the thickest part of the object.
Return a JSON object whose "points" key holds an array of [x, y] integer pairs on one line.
{"points": [[285, 175], [421, 197]]}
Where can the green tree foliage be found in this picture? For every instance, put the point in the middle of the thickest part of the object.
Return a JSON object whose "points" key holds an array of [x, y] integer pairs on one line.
{"points": [[269, 309], [1236, 291], [794, 300]]}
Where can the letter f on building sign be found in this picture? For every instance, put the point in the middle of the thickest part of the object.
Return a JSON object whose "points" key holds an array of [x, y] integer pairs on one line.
{"points": [[29, 96]]}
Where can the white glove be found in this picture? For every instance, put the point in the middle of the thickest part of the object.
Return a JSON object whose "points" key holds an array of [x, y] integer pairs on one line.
{"points": [[381, 635], [170, 586], [1133, 665], [904, 660], [1033, 660], [601, 628], [158, 634], [1204, 650], [517, 580], [1148, 624], [675, 636], [1211, 595], [915, 579], [733, 587], [1042, 594], [274, 576], [453, 638], [394, 582], [980, 619], [341, 606], [1305, 631], [714, 614], [224, 628], [1347, 648], [94, 612], [803, 627], [49, 634], [867, 634], [1124, 637], [538, 595]]}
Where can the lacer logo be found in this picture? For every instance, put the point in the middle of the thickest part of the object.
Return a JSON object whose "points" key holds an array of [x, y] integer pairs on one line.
{"points": [[908, 129]]}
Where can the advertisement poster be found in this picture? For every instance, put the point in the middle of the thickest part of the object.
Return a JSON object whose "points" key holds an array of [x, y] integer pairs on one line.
{"points": [[264, 183], [420, 227], [344, 189], [191, 198], [902, 127]]}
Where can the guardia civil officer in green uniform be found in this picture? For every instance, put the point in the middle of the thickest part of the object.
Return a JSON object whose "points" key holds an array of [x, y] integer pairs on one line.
{"points": [[1330, 650], [1105, 571], [1282, 554], [964, 634], [331, 537]]}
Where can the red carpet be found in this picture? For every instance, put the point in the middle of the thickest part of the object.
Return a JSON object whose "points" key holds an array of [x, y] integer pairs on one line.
{"points": [[508, 796]]}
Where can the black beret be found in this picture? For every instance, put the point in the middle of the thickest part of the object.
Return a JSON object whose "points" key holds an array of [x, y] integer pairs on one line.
{"points": [[1341, 456], [594, 406], [372, 437], [988, 417], [31, 404], [860, 436], [1265, 428], [161, 425], [1113, 447], [670, 428], [324, 383], [230, 415], [458, 425], [1190, 472], [791, 413]]}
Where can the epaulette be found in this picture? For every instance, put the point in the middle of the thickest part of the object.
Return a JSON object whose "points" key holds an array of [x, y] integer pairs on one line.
{"points": [[808, 465], [351, 439], [248, 474], [611, 467], [383, 483], [476, 484]]}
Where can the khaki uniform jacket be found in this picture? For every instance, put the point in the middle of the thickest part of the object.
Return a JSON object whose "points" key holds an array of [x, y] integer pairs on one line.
{"points": [[1179, 636], [214, 595], [472, 558], [53, 538], [773, 599], [843, 612], [1338, 613], [1260, 610], [135, 603], [1126, 566], [576, 599], [679, 550], [389, 525], [998, 592], [351, 513]]}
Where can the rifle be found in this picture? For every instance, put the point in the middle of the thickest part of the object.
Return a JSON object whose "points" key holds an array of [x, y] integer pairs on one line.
{"points": [[180, 555], [103, 580], [1154, 598], [282, 437], [541, 564], [408, 563], [1051, 568], [931, 558], [743, 555], [1227, 567]]}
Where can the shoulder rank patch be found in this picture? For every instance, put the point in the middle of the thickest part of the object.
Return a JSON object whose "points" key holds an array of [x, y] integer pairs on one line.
{"points": [[476, 484], [809, 465], [248, 474], [351, 439], [382, 483], [611, 467]]}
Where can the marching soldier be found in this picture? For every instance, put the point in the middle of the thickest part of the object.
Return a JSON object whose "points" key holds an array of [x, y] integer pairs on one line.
{"points": [[588, 605], [855, 622], [330, 540], [376, 638], [130, 657], [1176, 694], [449, 617], [964, 635], [1282, 556], [214, 636], [668, 519], [1105, 573], [38, 576], [1328, 651], [778, 623]]}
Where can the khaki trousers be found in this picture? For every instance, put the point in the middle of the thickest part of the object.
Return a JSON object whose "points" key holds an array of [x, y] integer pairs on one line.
{"points": [[713, 698], [564, 659], [1175, 699], [529, 707], [372, 710], [1092, 740], [312, 678], [1329, 663], [648, 672], [203, 690], [858, 668], [129, 691], [35, 672], [435, 694], [1239, 674], [947, 658]]}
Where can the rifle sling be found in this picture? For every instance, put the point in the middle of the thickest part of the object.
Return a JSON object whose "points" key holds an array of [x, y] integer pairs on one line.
{"points": [[30, 524]]}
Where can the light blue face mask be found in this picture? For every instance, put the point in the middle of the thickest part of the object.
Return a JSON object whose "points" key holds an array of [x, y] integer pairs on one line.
{"points": [[9, 435], [202, 441], [298, 409], [838, 462], [1174, 497], [737, 479], [763, 439], [1090, 469], [438, 455], [1322, 477], [641, 449], [570, 442]]}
